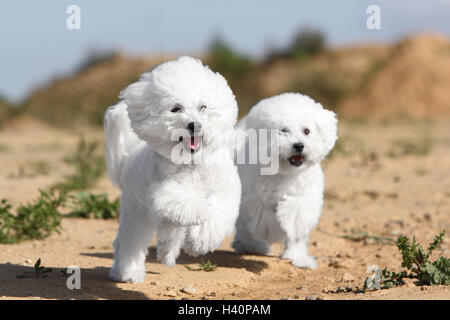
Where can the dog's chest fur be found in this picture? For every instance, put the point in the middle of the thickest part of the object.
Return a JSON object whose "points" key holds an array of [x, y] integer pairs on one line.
{"points": [[205, 178], [270, 190]]}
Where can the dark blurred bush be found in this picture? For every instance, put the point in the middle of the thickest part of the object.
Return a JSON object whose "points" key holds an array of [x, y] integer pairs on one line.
{"points": [[95, 57], [308, 42], [240, 71]]}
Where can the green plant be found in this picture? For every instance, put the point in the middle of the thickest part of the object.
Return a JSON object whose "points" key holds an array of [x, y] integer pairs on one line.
{"points": [[87, 205], [39, 271], [417, 264], [88, 166], [204, 266], [35, 220], [41, 217]]}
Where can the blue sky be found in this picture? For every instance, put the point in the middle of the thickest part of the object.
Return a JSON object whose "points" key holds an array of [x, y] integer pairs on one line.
{"points": [[36, 45]]}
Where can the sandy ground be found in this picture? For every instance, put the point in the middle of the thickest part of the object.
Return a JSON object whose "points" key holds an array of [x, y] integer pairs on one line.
{"points": [[366, 189]]}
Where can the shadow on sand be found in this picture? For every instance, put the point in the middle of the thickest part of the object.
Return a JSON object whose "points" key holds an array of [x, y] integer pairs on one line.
{"points": [[221, 258], [95, 284]]}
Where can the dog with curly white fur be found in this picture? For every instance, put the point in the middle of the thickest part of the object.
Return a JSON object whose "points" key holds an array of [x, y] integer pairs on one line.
{"points": [[180, 107], [286, 206]]}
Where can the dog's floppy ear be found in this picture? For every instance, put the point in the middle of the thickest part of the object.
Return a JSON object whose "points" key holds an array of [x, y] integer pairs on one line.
{"points": [[327, 124], [136, 94]]}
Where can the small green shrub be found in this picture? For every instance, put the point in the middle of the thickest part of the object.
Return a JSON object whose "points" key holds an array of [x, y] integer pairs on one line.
{"points": [[417, 264], [88, 164], [87, 205], [35, 220], [42, 216], [39, 271], [204, 266], [359, 235]]}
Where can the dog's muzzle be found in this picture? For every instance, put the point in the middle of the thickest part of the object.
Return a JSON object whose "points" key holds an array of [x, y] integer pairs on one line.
{"points": [[194, 141], [298, 158]]}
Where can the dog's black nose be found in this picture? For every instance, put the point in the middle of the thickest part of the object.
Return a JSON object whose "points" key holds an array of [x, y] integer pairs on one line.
{"points": [[298, 147], [194, 127]]}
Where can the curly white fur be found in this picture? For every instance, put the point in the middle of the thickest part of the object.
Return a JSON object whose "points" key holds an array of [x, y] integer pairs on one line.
{"points": [[191, 206], [285, 206]]}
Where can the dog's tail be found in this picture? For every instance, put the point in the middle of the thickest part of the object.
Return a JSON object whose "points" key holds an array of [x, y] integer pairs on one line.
{"points": [[120, 139]]}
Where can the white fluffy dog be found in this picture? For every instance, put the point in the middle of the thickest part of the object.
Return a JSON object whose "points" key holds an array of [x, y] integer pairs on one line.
{"points": [[179, 104], [285, 206]]}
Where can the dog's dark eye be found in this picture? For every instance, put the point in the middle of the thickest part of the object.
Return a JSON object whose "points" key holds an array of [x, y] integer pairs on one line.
{"points": [[203, 108], [306, 131], [177, 108], [285, 130]]}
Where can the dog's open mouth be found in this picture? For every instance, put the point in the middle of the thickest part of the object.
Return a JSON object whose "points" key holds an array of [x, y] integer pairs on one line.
{"points": [[297, 160], [192, 143]]}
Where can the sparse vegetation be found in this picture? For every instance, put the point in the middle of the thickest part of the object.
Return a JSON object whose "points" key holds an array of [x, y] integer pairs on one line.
{"points": [[88, 164], [308, 42], [40, 168], [35, 220], [42, 216], [359, 235], [88, 205], [417, 265], [416, 147], [203, 266], [39, 271]]}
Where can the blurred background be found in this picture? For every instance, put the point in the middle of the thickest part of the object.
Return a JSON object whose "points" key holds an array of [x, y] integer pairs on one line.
{"points": [[322, 48]]}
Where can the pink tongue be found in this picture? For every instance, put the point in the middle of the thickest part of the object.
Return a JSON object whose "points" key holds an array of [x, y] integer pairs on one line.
{"points": [[195, 143]]}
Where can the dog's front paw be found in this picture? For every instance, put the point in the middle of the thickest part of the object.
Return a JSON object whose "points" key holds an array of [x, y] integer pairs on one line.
{"points": [[133, 276], [308, 262]]}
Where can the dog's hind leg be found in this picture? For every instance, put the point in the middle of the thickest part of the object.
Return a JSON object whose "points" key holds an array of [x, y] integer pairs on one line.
{"points": [[131, 244], [170, 240], [244, 242]]}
